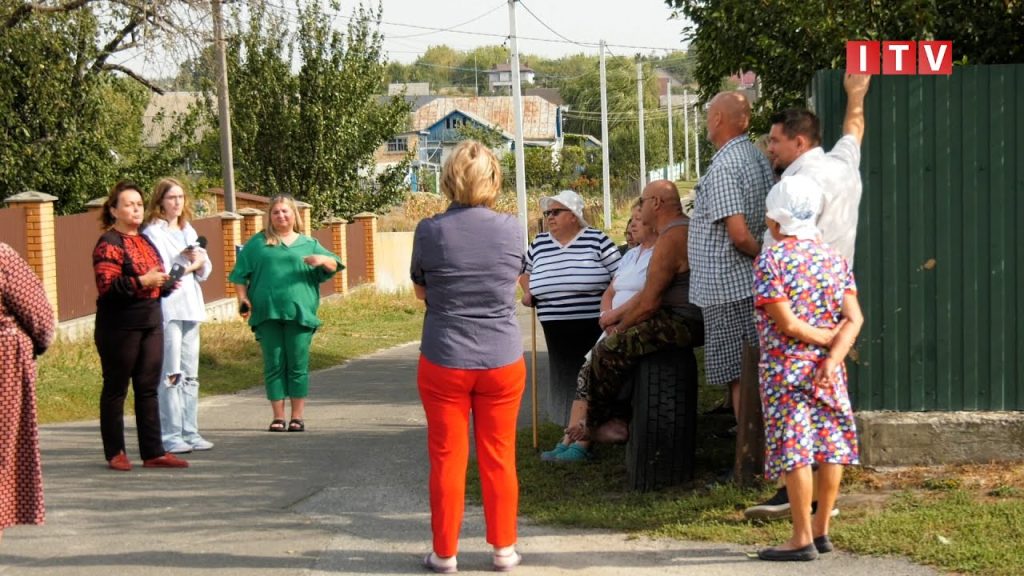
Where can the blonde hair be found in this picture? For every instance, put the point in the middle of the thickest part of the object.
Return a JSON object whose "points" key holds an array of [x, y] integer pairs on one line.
{"points": [[472, 175], [268, 228], [638, 202], [156, 201]]}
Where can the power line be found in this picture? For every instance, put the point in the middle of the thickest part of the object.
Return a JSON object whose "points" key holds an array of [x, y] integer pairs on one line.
{"points": [[550, 29], [451, 29]]}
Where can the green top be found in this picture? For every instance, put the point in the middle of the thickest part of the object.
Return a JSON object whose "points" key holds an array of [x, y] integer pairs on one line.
{"points": [[281, 286]]}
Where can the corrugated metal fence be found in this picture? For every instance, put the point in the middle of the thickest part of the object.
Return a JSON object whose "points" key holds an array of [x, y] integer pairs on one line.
{"points": [[940, 244]]}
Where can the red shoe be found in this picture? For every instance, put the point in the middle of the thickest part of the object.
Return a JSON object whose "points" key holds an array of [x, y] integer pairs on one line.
{"points": [[166, 461], [121, 463]]}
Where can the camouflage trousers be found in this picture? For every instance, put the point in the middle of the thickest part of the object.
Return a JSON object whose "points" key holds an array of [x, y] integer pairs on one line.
{"points": [[603, 375]]}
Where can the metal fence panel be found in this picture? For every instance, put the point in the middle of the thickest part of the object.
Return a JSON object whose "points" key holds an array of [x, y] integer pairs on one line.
{"points": [[940, 251]]}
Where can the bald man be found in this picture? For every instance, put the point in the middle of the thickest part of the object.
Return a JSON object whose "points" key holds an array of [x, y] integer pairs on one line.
{"points": [[728, 222], [659, 317]]}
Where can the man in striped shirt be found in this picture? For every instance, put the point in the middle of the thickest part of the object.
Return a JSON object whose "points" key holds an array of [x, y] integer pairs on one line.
{"points": [[728, 220]]}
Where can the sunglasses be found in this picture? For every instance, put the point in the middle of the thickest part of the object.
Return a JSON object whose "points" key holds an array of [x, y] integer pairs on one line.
{"points": [[555, 212]]}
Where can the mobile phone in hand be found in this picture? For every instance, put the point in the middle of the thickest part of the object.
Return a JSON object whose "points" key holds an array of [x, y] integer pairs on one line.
{"points": [[177, 271], [243, 308]]}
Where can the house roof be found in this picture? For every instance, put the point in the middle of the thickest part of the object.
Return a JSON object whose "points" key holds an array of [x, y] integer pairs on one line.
{"points": [[162, 113], [539, 115], [586, 138], [550, 94], [414, 101], [481, 121]]}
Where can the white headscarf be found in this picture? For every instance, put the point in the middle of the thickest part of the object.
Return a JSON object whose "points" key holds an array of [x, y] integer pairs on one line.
{"points": [[795, 203]]}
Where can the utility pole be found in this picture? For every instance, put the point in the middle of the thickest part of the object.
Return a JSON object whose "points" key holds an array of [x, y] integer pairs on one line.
{"points": [[640, 117], [671, 154], [696, 139], [517, 108], [227, 162], [686, 132], [606, 179]]}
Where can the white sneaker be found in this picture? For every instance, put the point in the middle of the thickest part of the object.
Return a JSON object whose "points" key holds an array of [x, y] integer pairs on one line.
{"points": [[202, 444], [179, 448]]}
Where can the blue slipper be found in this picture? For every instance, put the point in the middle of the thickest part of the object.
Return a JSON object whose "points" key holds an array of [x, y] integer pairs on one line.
{"points": [[574, 453], [550, 454]]}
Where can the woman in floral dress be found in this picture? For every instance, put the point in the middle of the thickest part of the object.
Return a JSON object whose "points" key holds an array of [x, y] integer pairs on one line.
{"points": [[808, 318]]}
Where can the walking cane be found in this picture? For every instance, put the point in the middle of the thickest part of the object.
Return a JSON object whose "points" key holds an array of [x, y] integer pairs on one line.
{"points": [[533, 371]]}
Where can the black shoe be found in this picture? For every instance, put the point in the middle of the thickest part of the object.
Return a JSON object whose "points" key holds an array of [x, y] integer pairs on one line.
{"points": [[823, 545], [805, 554], [777, 507], [771, 509], [814, 509]]}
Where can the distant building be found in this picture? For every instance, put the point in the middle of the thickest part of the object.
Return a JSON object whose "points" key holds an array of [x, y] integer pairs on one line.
{"points": [[500, 77], [163, 112], [410, 88], [435, 127]]}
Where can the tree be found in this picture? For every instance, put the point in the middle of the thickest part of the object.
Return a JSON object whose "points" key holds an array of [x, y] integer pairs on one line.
{"points": [[313, 134], [786, 41], [63, 130]]}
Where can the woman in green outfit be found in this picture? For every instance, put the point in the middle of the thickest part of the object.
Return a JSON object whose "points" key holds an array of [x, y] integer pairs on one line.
{"points": [[277, 279]]}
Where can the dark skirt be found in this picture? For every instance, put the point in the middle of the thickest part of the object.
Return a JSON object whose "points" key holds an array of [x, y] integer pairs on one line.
{"points": [[568, 342]]}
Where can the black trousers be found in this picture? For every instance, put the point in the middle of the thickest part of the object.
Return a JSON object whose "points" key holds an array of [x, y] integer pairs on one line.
{"points": [[568, 342], [136, 355]]}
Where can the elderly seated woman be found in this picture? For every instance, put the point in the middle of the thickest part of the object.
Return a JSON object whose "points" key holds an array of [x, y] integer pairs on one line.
{"points": [[621, 293]]}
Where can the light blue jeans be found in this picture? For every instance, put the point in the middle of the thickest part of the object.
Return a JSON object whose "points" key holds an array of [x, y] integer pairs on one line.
{"points": [[179, 390]]}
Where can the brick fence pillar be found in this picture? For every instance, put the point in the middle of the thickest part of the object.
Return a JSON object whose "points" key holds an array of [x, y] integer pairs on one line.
{"points": [[95, 205], [40, 239], [368, 222], [231, 225], [305, 212], [338, 246], [252, 222]]}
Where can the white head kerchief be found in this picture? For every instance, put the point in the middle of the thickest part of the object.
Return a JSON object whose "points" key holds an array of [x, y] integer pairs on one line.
{"points": [[795, 203]]}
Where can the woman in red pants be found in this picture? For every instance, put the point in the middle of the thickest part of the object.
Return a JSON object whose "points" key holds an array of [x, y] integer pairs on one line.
{"points": [[465, 265]]}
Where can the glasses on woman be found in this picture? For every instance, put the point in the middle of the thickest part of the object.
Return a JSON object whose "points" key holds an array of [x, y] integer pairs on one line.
{"points": [[554, 212]]}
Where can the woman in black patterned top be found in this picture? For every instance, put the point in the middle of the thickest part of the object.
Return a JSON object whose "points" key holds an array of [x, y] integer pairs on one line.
{"points": [[129, 336]]}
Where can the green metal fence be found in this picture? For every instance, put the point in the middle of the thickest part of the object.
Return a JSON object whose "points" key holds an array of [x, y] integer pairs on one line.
{"points": [[940, 244]]}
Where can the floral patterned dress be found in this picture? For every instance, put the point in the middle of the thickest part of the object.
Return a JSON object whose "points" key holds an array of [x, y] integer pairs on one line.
{"points": [[803, 423], [26, 329]]}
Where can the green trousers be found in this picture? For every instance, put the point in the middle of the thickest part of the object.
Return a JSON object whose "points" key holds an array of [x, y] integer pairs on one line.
{"points": [[285, 348]]}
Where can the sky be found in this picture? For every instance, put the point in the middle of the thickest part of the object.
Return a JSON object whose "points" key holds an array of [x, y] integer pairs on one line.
{"points": [[626, 25]]}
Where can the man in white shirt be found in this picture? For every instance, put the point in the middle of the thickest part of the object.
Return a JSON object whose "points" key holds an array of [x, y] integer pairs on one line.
{"points": [[794, 147]]}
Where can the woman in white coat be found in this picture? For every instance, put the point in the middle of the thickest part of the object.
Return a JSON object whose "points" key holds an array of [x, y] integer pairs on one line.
{"points": [[169, 228]]}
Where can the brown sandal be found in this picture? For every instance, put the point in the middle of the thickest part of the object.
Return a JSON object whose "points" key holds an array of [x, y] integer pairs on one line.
{"points": [[277, 425], [296, 425]]}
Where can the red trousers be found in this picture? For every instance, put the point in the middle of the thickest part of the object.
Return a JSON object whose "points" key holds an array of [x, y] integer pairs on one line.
{"points": [[493, 396]]}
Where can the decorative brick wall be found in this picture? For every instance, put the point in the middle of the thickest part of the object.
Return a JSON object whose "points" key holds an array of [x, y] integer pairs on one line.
{"points": [[368, 222], [338, 246], [41, 246], [232, 227], [252, 222]]}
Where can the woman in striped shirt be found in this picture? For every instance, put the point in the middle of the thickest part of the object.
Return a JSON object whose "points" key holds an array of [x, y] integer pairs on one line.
{"points": [[568, 269]]}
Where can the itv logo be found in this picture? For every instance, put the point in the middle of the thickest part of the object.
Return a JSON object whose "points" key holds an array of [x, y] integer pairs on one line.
{"points": [[931, 57]]}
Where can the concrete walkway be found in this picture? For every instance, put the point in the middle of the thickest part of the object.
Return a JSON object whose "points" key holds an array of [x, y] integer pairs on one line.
{"points": [[349, 496]]}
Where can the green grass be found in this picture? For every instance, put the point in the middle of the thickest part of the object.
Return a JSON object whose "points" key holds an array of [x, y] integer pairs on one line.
{"points": [[968, 520], [966, 531], [363, 322]]}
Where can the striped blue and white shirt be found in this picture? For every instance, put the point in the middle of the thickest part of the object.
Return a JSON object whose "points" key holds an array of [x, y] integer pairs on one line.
{"points": [[567, 282]]}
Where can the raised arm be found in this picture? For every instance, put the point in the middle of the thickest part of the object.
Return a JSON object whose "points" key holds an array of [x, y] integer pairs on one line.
{"points": [[856, 86]]}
